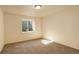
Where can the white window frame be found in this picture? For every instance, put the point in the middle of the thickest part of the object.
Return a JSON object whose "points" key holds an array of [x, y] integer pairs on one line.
{"points": [[33, 25]]}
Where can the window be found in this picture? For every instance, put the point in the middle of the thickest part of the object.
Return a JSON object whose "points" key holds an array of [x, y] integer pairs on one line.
{"points": [[27, 25]]}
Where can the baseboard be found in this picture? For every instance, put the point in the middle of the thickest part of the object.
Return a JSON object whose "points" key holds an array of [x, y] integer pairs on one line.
{"points": [[22, 41], [66, 46]]}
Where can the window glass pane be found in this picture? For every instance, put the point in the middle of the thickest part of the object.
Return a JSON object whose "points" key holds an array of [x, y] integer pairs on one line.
{"points": [[24, 26], [27, 26], [30, 26]]}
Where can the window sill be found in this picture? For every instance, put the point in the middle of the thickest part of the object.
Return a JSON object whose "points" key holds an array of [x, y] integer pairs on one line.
{"points": [[28, 32]]}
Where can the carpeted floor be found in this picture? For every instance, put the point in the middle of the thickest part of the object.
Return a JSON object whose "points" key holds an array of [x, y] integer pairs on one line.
{"points": [[36, 47]]}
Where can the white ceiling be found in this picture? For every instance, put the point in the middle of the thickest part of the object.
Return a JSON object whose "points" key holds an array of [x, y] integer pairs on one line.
{"points": [[29, 10]]}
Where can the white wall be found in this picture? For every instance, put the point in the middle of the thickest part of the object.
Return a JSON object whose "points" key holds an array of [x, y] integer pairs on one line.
{"points": [[13, 28], [63, 27], [1, 30]]}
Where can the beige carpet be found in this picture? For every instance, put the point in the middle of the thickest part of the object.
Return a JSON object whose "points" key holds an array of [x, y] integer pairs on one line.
{"points": [[36, 47]]}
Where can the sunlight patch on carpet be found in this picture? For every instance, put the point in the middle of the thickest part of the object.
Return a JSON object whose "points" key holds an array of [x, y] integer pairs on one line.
{"points": [[46, 42]]}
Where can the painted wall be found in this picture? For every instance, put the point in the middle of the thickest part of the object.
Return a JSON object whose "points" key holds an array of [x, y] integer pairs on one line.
{"points": [[1, 30], [63, 27], [13, 28]]}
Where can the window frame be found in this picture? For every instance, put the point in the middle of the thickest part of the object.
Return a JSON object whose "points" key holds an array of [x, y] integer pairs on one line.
{"points": [[33, 25]]}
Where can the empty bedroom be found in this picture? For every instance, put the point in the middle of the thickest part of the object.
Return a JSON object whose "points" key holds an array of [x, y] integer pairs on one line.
{"points": [[39, 29]]}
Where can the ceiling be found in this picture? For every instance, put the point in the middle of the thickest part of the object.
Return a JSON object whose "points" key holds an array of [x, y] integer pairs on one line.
{"points": [[29, 10]]}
